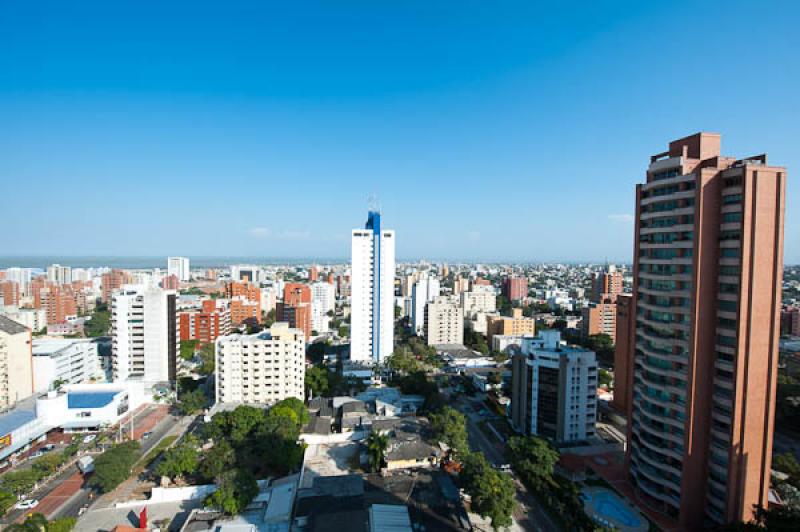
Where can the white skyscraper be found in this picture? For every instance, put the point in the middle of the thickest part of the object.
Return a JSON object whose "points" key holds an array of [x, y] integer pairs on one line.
{"points": [[179, 267], [323, 300], [372, 296], [59, 274], [144, 331]]}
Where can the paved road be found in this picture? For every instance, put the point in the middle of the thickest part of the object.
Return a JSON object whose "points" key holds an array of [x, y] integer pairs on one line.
{"points": [[529, 514]]}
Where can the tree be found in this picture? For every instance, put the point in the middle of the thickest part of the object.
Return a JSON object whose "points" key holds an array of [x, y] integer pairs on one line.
{"points": [[7, 500], [99, 323], [114, 466], [293, 408], [450, 426], [234, 492], [33, 523], [65, 524], [376, 450], [316, 381], [188, 348], [242, 421], [491, 492], [533, 459], [217, 460], [20, 482], [189, 403], [180, 459], [344, 331], [604, 378], [207, 359]]}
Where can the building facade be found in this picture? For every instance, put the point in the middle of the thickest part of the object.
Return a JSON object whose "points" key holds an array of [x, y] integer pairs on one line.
{"points": [[71, 361], [423, 291], [261, 368], [444, 322], [514, 325], [372, 292], [554, 389], [323, 300], [708, 267], [515, 288], [16, 364], [179, 267], [144, 333]]}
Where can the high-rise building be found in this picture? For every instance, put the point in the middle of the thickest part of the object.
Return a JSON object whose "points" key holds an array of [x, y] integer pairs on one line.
{"points": [[261, 368], [144, 333], [554, 389], [246, 273], [58, 274], [171, 282], [209, 323], [245, 302], [323, 300], [623, 353], [422, 292], [295, 309], [16, 364], [70, 361], [113, 280], [58, 303], [372, 299], [515, 288], [444, 321], [708, 268], [22, 276], [599, 318], [790, 321], [9, 293], [606, 285], [179, 267]]}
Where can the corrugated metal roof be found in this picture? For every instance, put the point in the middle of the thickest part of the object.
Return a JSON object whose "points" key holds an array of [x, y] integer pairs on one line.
{"points": [[10, 326], [389, 518]]}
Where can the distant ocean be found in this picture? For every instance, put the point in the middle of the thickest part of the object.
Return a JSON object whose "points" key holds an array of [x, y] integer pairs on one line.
{"points": [[135, 263]]}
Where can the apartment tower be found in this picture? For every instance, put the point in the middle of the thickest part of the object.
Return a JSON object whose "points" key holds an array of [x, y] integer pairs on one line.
{"points": [[372, 292], [708, 266]]}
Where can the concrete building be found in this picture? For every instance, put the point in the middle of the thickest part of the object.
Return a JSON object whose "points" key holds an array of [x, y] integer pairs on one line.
{"points": [[179, 267], [554, 389], [245, 301], [708, 268], [33, 319], [483, 299], [515, 325], [515, 288], [16, 366], [295, 309], [9, 294], [261, 368], [207, 324], [623, 353], [144, 332], [599, 318], [323, 300], [790, 321], [59, 275], [423, 291], [112, 281], [246, 273], [444, 321], [372, 289], [21, 276], [606, 285], [70, 361]]}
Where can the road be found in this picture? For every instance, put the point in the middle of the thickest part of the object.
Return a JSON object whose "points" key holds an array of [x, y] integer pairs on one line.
{"points": [[66, 494], [529, 515]]}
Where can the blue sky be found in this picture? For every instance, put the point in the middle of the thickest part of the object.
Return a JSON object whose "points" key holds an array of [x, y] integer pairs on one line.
{"points": [[489, 130]]}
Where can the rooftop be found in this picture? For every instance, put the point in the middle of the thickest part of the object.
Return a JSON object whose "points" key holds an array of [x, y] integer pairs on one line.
{"points": [[9, 326], [24, 412]]}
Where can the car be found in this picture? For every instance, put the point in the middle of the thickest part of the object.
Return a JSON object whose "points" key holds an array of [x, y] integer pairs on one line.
{"points": [[48, 447], [146, 435], [37, 454], [27, 504], [90, 438]]}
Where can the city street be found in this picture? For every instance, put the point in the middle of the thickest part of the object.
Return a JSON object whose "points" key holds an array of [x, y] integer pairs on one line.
{"points": [[529, 514]]}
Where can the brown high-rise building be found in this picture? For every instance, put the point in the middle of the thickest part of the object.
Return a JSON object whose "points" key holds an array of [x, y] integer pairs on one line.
{"points": [[623, 354], [113, 280], [515, 288], [296, 307], [9, 291], [606, 285], [708, 267]]}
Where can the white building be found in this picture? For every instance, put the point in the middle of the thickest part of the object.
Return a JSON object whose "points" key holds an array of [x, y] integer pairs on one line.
{"points": [[261, 368], [554, 389], [372, 292], [21, 276], [16, 366], [59, 274], [246, 272], [444, 322], [144, 331], [323, 300], [422, 293], [480, 299], [70, 361], [33, 319], [179, 267]]}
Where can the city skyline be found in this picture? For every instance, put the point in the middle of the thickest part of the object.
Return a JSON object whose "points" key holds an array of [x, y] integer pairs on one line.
{"points": [[433, 109]]}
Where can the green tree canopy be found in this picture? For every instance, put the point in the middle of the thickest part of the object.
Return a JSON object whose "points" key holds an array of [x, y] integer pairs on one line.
{"points": [[234, 492], [316, 381], [450, 426], [217, 460], [114, 466], [180, 459], [293, 405], [533, 459], [491, 492], [190, 403]]}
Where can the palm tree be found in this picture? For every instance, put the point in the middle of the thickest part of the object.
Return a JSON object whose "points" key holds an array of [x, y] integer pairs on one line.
{"points": [[376, 448]]}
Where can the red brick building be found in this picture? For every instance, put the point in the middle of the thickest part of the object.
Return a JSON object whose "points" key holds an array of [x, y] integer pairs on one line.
{"points": [[9, 290], [514, 288], [207, 324]]}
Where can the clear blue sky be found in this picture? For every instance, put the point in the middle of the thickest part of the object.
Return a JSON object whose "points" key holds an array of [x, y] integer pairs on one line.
{"points": [[489, 130]]}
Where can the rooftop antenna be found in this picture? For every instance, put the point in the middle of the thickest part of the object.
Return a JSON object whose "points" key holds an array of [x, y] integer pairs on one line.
{"points": [[372, 203]]}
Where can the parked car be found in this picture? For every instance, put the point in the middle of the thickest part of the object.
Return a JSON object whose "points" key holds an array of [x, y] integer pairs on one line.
{"points": [[27, 504], [146, 435], [90, 438], [37, 454], [49, 447]]}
